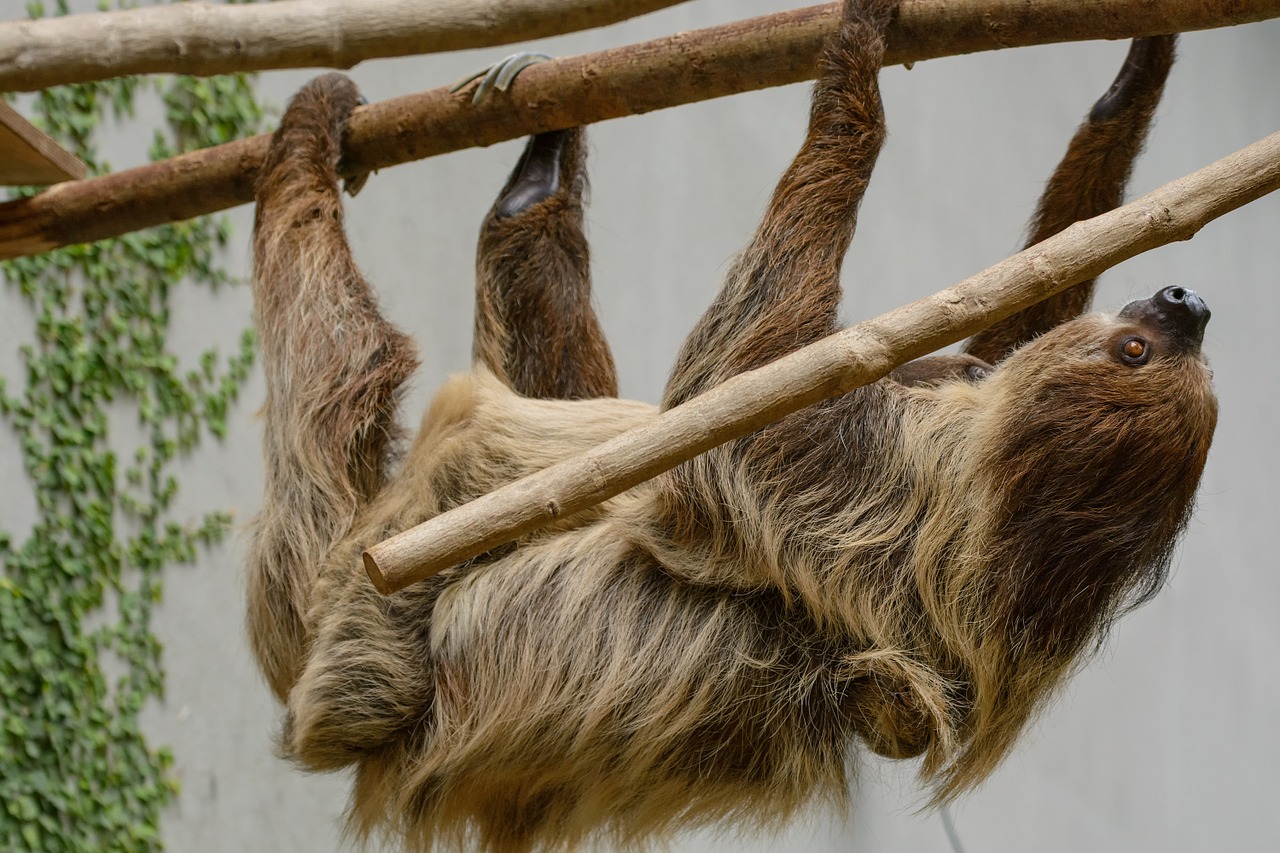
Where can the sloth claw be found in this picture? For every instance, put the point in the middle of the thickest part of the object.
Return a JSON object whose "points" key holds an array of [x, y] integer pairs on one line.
{"points": [[539, 174], [1145, 68], [499, 75], [355, 183]]}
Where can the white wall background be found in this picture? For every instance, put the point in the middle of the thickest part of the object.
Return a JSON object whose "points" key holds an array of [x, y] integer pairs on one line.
{"points": [[1167, 742]]}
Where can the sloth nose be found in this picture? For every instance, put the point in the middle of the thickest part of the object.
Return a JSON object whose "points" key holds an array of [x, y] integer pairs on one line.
{"points": [[1185, 311], [1178, 312]]}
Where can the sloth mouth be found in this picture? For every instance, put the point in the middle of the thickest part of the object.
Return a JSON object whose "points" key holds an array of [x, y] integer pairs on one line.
{"points": [[1177, 312]]}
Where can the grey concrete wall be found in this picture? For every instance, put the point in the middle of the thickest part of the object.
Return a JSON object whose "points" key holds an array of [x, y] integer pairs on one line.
{"points": [[1166, 742]]}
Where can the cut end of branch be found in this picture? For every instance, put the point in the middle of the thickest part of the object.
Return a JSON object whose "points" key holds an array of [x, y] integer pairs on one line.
{"points": [[380, 582]]}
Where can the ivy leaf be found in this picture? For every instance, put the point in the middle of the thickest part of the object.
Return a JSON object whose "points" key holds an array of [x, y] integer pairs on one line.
{"points": [[76, 772]]}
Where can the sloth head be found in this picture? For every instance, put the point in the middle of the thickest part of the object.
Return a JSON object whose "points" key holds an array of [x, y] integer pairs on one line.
{"points": [[1101, 430], [1085, 453]]}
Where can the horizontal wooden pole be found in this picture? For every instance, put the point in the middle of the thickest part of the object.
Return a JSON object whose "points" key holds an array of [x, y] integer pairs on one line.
{"points": [[833, 366], [753, 54], [221, 38]]}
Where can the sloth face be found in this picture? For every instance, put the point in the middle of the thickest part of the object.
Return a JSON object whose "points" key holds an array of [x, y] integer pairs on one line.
{"points": [[1132, 359], [1175, 316]]}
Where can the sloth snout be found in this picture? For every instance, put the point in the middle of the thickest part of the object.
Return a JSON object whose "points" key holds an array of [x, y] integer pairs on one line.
{"points": [[1185, 311], [1178, 312]]}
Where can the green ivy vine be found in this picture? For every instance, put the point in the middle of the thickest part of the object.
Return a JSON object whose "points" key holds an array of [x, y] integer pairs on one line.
{"points": [[78, 659]]}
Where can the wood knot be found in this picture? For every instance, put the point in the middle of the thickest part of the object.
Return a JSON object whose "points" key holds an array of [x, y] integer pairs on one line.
{"points": [[1159, 216]]}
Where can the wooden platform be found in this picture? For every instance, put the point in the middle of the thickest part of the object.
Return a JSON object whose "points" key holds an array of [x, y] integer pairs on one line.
{"points": [[29, 156]]}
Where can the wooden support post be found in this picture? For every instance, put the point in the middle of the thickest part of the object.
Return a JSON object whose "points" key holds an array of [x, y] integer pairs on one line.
{"points": [[29, 156]]}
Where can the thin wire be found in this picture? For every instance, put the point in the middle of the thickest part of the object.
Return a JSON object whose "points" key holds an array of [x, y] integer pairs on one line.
{"points": [[950, 827]]}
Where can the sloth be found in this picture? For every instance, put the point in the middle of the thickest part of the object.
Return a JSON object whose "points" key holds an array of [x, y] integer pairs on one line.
{"points": [[911, 568]]}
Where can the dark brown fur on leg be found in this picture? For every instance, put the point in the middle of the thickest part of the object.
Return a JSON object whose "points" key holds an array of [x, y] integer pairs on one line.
{"points": [[1089, 181], [535, 327], [334, 368], [783, 291]]}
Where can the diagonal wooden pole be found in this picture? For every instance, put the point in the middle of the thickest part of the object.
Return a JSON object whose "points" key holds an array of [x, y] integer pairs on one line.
{"points": [[768, 51], [828, 368]]}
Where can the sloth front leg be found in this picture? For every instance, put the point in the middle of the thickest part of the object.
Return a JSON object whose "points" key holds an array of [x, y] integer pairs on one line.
{"points": [[1089, 181], [783, 290], [347, 662], [535, 327], [736, 504], [333, 369]]}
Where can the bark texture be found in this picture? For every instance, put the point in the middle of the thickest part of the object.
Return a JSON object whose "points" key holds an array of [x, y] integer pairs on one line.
{"points": [[772, 50], [211, 38]]}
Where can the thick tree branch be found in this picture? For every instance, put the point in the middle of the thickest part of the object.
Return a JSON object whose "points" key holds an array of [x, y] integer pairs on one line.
{"points": [[834, 366], [213, 38], [753, 54]]}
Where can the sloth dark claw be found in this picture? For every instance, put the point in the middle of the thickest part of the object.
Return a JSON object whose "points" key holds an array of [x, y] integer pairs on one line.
{"points": [[1146, 65], [537, 175]]}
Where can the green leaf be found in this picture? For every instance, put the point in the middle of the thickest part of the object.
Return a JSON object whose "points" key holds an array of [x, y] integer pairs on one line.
{"points": [[76, 772]]}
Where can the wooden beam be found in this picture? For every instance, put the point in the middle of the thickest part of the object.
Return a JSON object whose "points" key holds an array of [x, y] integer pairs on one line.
{"points": [[767, 51], [217, 38], [30, 157], [828, 368]]}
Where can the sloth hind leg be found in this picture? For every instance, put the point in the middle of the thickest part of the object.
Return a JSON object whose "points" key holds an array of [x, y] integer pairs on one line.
{"points": [[535, 327]]}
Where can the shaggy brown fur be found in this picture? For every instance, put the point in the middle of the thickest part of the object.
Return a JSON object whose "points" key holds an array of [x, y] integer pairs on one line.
{"points": [[915, 565]]}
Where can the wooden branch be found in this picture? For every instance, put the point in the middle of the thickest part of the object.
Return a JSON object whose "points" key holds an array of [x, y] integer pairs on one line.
{"points": [[833, 366], [753, 54], [215, 38]]}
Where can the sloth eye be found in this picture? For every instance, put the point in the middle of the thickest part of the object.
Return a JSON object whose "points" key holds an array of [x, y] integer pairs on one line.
{"points": [[1134, 351]]}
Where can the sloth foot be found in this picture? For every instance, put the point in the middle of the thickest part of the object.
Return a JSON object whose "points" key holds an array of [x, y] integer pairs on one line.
{"points": [[499, 75], [1144, 69], [538, 175], [936, 369]]}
